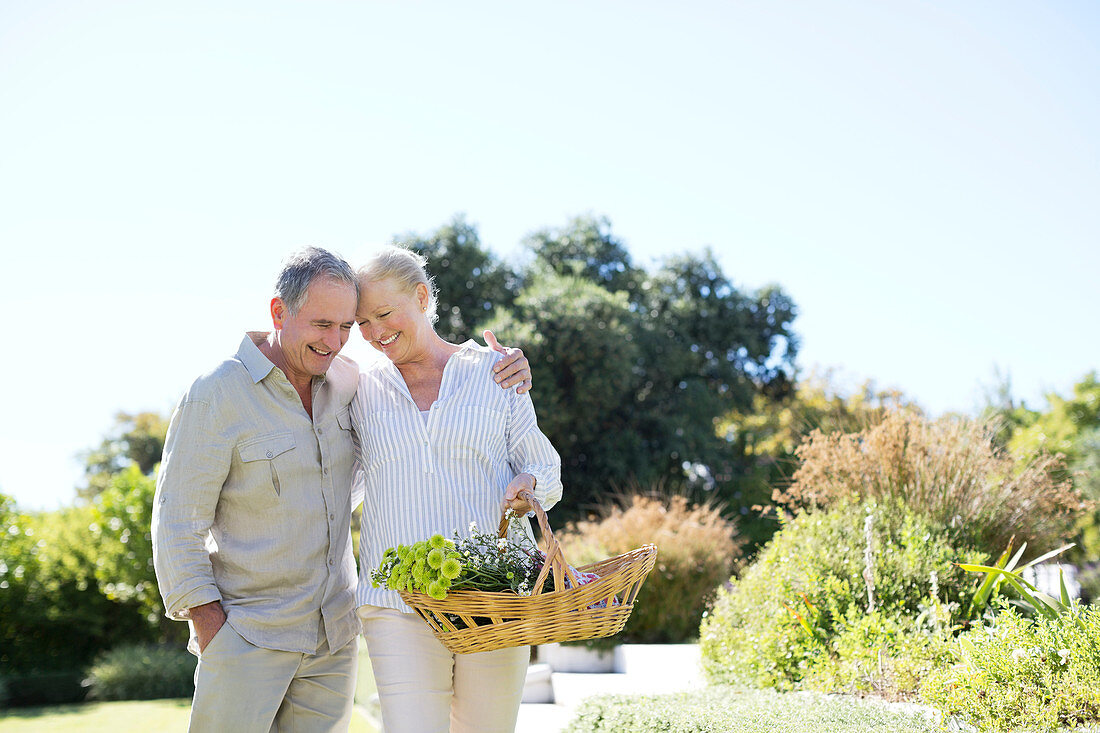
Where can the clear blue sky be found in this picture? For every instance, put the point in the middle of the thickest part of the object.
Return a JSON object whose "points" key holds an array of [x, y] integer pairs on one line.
{"points": [[922, 177]]}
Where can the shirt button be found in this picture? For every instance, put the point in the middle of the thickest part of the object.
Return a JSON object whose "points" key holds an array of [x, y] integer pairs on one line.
{"points": [[332, 516], [319, 431], [330, 561], [325, 472], [269, 454]]}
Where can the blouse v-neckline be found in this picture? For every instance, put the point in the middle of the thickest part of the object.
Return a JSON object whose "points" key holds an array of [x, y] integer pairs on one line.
{"points": [[398, 380]]}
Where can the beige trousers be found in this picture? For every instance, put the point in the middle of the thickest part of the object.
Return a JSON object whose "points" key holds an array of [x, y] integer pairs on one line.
{"points": [[423, 688], [242, 688]]}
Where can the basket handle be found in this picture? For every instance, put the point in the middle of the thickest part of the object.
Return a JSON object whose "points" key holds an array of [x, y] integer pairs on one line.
{"points": [[555, 560]]}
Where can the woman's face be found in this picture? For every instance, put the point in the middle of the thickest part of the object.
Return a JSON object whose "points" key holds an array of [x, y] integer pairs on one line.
{"points": [[392, 319]]}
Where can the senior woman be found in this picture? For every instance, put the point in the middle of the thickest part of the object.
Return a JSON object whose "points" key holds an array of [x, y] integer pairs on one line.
{"points": [[442, 446]]}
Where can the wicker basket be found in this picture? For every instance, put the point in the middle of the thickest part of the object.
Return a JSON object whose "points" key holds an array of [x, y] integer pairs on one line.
{"points": [[479, 621]]}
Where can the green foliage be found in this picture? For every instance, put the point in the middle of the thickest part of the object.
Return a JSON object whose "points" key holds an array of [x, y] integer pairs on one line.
{"points": [[1071, 426], [50, 687], [1060, 427], [1038, 674], [635, 369], [880, 653], [1006, 572], [585, 248], [720, 709], [696, 549], [135, 440], [53, 616], [580, 339], [472, 284], [121, 516], [142, 672], [825, 569]]}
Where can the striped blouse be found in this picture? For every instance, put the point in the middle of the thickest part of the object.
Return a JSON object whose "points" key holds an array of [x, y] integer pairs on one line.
{"points": [[439, 475]]}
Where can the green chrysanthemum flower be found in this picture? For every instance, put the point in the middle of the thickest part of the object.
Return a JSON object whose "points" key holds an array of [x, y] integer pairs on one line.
{"points": [[451, 568], [437, 541], [437, 591], [435, 558]]}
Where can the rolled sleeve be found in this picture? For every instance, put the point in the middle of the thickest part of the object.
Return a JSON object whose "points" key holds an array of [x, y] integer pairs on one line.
{"points": [[529, 451], [194, 468]]}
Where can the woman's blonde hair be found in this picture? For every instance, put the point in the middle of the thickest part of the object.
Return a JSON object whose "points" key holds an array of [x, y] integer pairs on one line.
{"points": [[406, 268]]}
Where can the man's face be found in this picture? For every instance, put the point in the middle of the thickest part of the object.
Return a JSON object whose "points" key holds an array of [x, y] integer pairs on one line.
{"points": [[311, 338]]}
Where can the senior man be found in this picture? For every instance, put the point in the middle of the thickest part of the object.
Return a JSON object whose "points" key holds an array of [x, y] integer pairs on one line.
{"points": [[252, 514]]}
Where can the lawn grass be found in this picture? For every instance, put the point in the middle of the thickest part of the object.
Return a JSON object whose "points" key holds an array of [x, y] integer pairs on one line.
{"points": [[146, 716]]}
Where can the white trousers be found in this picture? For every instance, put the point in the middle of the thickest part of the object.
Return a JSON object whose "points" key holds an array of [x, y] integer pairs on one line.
{"points": [[423, 688], [243, 688]]}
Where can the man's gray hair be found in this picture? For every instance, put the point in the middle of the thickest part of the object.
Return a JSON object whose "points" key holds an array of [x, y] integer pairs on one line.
{"points": [[303, 267]]}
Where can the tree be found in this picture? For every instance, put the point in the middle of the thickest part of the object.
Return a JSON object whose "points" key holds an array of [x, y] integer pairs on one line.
{"points": [[586, 248], [636, 369], [122, 516], [471, 282], [135, 439], [1071, 426], [581, 343]]}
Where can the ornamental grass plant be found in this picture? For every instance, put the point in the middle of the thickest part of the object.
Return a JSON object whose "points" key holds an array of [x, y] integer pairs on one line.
{"points": [[696, 551], [949, 471]]}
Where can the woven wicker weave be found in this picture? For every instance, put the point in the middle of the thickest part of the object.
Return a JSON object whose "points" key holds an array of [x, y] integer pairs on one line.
{"points": [[479, 621]]}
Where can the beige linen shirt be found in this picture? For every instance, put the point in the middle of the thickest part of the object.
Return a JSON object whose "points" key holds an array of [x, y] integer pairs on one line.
{"points": [[253, 504]]}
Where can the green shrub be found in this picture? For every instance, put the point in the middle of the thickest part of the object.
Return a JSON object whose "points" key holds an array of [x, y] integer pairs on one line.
{"points": [[49, 687], [801, 610], [142, 672], [1039, 674], [949, 471], [722, 709], [696, 548]]}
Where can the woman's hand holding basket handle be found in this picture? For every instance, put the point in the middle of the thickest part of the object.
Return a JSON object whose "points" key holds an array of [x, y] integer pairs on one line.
{"points": [[555, 561]]}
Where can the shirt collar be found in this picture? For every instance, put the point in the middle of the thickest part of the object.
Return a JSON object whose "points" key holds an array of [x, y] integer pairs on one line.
{"points": [[258, 365]]}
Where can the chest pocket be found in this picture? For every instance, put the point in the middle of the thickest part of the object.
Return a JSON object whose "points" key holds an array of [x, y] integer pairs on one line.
{"points": [[266, 450]]}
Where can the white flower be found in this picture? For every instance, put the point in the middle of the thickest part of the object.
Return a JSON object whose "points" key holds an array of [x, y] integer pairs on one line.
{"points": [[502, 543], [1064, 654], [473, 527], [1018, 654]]}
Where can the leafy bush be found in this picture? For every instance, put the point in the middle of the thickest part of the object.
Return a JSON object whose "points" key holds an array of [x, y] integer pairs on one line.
{"points": [[836, 596], [1021, 673], [949, 471], [721, 709], [696, 548], [49, 687], [142, 672], [54, 618]]}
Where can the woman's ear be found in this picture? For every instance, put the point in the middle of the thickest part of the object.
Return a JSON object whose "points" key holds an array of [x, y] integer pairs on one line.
{"points": [[423, 296]]}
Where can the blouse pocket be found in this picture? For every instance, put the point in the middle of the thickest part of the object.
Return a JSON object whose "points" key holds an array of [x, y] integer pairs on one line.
{"points": [[267, 448]]}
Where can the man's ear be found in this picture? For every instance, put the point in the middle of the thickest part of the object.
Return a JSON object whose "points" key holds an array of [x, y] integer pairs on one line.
{"points": [[278, 312]]}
